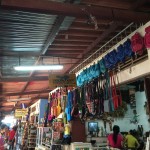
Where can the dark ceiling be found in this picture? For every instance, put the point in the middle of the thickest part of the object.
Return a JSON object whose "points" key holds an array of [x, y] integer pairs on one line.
{"points": [[50, 32]]}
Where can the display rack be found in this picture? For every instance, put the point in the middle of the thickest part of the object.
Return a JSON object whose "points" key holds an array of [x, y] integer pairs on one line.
{"points": [[32, 131], [44, 135], [24, 130]]}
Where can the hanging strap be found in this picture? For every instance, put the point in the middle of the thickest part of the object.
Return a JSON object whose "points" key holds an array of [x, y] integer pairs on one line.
{"points": [[119, 92], [114, 91]]}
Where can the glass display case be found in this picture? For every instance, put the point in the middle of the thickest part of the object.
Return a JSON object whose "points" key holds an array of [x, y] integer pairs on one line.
{"points": [[44, 135]]}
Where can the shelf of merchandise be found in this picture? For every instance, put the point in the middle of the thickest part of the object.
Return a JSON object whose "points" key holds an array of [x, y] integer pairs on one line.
{"points": [[32, 136], [40, 134]]}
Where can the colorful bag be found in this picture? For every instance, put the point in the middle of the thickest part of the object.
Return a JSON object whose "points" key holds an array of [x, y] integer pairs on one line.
{"points": [[102, 66], [137, 43], [127, 48], [112, 58], [120, 53], [147, 37], [117, 100], [108, 102], [108, 64], [97, 70]]}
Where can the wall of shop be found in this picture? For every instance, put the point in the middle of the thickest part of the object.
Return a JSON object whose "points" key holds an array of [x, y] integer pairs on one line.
{"points": [[124, 123]]}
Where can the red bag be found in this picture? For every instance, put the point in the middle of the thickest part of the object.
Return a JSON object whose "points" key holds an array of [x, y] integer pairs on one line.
{"points": [[117, 99], [137, 43], [147, 37]]}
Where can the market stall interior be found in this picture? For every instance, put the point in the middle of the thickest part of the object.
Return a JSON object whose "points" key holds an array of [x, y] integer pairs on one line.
{"points": [[75, 64], [58, 32]]}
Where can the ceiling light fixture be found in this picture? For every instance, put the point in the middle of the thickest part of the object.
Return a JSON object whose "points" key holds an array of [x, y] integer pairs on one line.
{"points": [[19, 99], [42, 67]]}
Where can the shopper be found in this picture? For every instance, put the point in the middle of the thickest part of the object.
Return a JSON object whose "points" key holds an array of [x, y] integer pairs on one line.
{"points": [[11, 139], [115, 140], [1, 142], [6, 133], [132, 142]]}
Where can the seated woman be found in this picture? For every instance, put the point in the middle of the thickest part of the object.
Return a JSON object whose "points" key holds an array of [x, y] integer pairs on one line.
{"points": [[132, 142], [115, 140]]}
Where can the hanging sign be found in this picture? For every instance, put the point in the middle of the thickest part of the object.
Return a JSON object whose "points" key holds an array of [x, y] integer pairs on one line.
{"points": [[21, 112], [62, 80]]}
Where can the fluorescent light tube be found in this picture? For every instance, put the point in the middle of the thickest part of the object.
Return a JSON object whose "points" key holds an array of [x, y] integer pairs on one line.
{"points": [[44, 67], [19, 99]]}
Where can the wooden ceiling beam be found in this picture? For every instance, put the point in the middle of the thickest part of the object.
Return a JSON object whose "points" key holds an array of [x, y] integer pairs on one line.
{"points": [[24, 79], [138, 4], [65, 52], [99, 21], [61, 43], [72, 32], [74, 40], [67, 48], [26, 93], [108, 3], [75, 10]]}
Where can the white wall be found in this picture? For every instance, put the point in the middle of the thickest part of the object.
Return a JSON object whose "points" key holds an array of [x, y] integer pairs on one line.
{"points": [[124, 123]]}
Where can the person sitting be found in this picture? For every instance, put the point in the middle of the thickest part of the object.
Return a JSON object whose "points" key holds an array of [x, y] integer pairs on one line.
{"points": [[132, 142], [115, 140]]}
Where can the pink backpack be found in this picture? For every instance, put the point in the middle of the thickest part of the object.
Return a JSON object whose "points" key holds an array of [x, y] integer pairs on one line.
{"points": [[137, 43], [147, 37]]}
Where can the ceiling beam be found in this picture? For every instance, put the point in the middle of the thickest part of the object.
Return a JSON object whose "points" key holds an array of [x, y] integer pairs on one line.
{"points": [[65, 52], [109, 3], [73, 32], [67, 9], [24, 79], [74, 38], [67, 47], [138, 4], [26, 93]]}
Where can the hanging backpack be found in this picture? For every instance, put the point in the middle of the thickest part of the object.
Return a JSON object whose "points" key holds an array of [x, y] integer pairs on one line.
{"points": [[78, 79], [112, 58], [97, 70], [108, 65], [120, 53], [147, 37], [137, 43], [127, 48], [102, 66]]}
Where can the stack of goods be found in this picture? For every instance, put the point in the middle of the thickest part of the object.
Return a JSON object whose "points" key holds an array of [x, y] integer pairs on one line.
{"points": [[32, 131], [58, 127], [24, 135], [47, 137]]}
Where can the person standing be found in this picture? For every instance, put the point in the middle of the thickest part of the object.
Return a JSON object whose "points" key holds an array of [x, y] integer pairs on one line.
{"points": [[1, 142], [11, 138], [115, 139]]}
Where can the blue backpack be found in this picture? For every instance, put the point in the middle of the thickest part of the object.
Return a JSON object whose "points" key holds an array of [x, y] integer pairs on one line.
{"points": [[120, 53], [112, 58], [107, 62], [127, 48]]}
